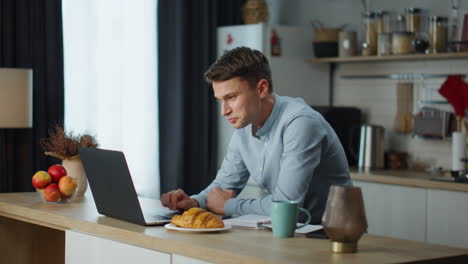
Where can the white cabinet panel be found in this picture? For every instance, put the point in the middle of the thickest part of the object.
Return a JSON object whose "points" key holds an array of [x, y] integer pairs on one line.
{"points": [[178, 259], [83, 248], [447, 218], [395, 211]]}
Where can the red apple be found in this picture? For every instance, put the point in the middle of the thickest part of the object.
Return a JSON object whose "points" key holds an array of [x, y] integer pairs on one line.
{"points": [[41, 179], [52, 193], [57, 171], [67, 185]]}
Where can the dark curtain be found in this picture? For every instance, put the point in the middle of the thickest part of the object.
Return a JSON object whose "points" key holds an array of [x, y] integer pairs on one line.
{"points": [[31, 37], [187, 109]]}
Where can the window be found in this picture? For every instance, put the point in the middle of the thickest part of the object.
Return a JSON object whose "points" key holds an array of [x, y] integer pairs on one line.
{"points": [[110, 64]]}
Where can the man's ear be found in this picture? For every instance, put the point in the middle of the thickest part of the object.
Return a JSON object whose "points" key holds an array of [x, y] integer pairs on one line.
{"points": [[263, 88]]}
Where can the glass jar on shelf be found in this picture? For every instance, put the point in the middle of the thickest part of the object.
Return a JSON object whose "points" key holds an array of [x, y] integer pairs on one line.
{"points": [[402, 43], [438, 33], [400, 23], [413, 19], [383, 22], [384, 44], [369, 34]]}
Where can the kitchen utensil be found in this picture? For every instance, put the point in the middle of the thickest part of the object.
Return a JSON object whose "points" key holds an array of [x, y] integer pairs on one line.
{"points": [[371, 147], [454, 90], [432, 123], [344, 219], [403, 119]]}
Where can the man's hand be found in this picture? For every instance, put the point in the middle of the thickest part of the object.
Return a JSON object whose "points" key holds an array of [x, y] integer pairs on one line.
{"points": [[178, 200], [217, 198]]}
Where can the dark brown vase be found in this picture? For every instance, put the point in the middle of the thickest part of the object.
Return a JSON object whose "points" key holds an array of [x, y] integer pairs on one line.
{"points": [[344, 219]]}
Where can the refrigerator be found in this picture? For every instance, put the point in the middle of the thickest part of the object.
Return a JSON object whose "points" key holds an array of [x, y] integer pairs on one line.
{"points": [[287, 48]]}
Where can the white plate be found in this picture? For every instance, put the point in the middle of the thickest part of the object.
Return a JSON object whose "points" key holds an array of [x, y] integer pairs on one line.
{"points": [[183, 229]]}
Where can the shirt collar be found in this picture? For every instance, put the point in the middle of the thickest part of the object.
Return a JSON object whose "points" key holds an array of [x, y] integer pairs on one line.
{"points": [[266, 128]]}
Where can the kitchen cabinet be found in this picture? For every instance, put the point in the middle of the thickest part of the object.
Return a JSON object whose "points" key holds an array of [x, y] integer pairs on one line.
{"points": [[395, 211], [83, 248], [447, 218], [28, 243], [416, 213]]}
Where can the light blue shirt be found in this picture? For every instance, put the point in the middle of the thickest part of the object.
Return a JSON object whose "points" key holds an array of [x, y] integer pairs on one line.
{"points": [[296, 155]]}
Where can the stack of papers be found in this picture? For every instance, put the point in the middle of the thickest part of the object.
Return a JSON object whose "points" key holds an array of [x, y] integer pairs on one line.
{"points": [[262, 221], [249, 221], [303, 230]]}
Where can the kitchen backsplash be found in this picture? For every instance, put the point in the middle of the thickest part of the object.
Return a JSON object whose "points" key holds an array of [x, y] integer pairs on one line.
{"points": [[377, 99]]}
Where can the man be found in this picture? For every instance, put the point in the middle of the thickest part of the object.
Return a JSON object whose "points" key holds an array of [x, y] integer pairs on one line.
{"points": [[286, 146]]}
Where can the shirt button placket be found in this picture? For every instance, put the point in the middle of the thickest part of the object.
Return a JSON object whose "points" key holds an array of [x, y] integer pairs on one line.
{"points": [[263, 155]]}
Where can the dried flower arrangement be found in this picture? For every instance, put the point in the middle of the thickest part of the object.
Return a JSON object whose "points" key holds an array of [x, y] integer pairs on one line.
{"points": [[64, 145]]}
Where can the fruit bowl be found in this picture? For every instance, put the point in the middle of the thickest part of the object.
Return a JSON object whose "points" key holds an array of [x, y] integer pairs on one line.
{"points": [[52, 197], [54, 186]]}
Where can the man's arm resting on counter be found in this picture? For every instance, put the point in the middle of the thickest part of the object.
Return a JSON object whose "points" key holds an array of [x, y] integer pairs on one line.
{"points": [[233, 174]]}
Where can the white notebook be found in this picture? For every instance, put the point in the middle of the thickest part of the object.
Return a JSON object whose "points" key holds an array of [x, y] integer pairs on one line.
{"points": [[263, 221], [249, 221]]}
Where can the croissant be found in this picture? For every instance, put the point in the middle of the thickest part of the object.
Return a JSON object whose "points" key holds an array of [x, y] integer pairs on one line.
{"points": [[197, 218]]}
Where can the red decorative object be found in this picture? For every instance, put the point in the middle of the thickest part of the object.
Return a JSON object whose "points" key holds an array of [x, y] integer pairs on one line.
{"points": [[275, 44], [451, 89], [229, 39]]}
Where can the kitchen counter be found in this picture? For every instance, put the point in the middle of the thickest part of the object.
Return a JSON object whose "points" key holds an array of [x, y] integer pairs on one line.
{"points": [[233, 246], [408, 178]]}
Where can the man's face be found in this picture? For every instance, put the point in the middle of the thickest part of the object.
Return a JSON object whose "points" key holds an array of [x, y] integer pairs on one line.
{"points": [[240, 103]]}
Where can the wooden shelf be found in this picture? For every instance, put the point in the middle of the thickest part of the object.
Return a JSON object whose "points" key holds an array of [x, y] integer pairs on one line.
{"points": [[439, 56]]}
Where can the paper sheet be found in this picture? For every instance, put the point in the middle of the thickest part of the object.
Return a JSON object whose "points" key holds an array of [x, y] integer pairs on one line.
{"points": [[303, 230]]}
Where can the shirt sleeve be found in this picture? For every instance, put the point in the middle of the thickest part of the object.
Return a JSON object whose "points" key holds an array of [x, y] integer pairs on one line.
{"points": [[302, 147], [233, 173]]}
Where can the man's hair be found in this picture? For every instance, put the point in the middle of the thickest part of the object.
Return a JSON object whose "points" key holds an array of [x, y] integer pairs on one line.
{"points": [[247, 64]]}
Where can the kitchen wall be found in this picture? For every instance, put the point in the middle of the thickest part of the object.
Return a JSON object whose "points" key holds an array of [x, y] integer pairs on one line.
{"points": [[377, 97]]}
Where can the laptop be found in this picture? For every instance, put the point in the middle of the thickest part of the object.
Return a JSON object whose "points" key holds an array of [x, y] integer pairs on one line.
{"points": [[113, 190]]}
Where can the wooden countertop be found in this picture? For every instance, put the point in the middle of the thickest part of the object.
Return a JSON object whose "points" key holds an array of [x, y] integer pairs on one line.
{"points": [[233, 246], [408, 178]]}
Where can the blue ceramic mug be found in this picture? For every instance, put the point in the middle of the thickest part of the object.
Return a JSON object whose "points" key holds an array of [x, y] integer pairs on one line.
{"points": [[284, 215]]}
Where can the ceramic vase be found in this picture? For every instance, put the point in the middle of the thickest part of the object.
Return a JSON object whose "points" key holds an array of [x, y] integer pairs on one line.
{"points": [[344, 219], [75, 170]]}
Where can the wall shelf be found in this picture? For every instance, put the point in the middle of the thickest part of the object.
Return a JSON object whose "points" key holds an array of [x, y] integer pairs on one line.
{"points": [[438, 56]]}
